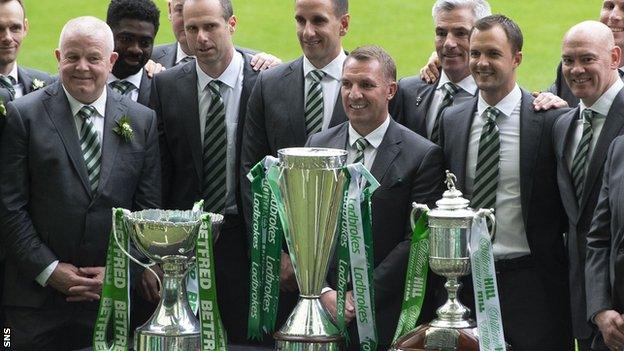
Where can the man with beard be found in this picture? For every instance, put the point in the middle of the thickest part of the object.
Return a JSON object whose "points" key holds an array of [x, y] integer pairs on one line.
{"points": [[134, 24]]}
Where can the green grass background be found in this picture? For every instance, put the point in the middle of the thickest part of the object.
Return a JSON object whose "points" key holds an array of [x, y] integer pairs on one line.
{"points": [[403, 27]]}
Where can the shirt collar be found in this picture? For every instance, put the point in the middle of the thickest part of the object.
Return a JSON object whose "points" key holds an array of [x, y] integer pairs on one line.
{"points": [[180, 54], [468, 84], [13, 72], [135, 79], [229, 77], [333, 69], [506, 106], [604, 102], [374, 138], [99, 104]]}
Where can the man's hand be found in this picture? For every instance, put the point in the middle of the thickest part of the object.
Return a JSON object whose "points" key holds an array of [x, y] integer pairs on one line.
{"points": [[152, 68], [262, 61], [78, 285], [431, 72], [288, 281], [611, 325], [547, 100], [149, 288], [329, 300]]}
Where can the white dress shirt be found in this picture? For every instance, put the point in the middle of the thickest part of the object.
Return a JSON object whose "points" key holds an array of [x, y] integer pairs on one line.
{"points": [[330, 84], [98, 123], [180, 54], [601, 108], [19, 87], [231, 91], [374, 139], [511, 240], [135, 79], [468, 89]]}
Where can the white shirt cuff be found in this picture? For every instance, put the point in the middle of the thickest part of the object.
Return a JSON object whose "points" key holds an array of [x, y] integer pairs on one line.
{"points": [[326, 289], [43, 277]]}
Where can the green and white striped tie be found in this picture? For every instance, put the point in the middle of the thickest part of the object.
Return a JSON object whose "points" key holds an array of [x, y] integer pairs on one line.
{"points": [[214, 152], [450, 91], [360, 145], [582, 153], [314, 103], [486, 173], [123, 87], [7, 82], [90, 145]]}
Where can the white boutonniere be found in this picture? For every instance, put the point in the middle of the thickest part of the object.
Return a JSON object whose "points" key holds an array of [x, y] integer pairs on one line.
{"points": [[38, 84], [124, 128], [2, 109]]}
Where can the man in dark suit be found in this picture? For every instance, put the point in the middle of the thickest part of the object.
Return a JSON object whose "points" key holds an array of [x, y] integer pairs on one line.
{"points": [[581, 145], [408, 167], [62, 168], [200, 143], [134, 25], [418, 105], [500, 149]]}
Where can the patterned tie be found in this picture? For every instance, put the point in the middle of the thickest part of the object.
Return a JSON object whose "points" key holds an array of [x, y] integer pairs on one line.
{"points": [[90, 145], [582, 153], [122, 87], [314, 103], [8, 83], [450, 91], [360, 145], [214, 153], [486, 173]]}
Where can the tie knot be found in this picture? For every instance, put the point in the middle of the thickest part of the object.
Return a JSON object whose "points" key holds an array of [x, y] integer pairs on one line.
{"points": [[450, 88], [361, 144], [588, 115], [215, 87], [86, 112], [317, 75], [8, 79], [491, 113], [122, 86]]}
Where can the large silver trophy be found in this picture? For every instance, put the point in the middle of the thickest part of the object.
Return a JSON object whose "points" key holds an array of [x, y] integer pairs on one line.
{"points": [[450, 226], [311, 183], [168, 238]]}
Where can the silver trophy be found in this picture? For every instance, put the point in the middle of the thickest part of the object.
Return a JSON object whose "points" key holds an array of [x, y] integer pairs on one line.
{"points": [[311, 183], [450, 226], [168, 238]]}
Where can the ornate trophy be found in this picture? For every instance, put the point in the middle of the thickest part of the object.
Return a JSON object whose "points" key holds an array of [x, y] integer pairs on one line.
{"points": [[310, 183], [168, 238], [450, 226]]}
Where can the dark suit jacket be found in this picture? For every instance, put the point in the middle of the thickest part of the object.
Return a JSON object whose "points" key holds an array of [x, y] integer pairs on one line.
{"points": [[145, 89], [561, 89], [174, 98], [276, 118], [25, 76], [542, 212], [165, 54], [46, 206], [411, 103], [579, 218], [409, 168]]}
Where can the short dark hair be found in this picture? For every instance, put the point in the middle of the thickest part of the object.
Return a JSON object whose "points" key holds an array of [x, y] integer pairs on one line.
{"points": [[374, 52], [513, 32], [142, 10]]}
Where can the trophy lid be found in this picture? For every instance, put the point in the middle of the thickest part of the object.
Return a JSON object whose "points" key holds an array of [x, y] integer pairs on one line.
{"points": [[452, 204], [312, 158]]}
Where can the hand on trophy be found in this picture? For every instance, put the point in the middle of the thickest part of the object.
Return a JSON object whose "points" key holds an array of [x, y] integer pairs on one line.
{"points": [[611, 325], [288, 281], [80, 284], [149, 288], [329, 298]]}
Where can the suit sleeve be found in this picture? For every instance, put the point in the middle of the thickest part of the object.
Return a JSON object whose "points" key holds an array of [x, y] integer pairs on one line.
{"points": [[389, 275], [166, 160], [18, 234], [148, 192], [597, 275]]}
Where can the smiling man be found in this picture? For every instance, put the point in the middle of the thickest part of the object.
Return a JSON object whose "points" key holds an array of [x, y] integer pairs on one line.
{"points": [[419, 105]]}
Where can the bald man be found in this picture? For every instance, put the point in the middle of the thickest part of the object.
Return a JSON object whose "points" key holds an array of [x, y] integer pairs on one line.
{"points": [[590, 60], [56, 199]]}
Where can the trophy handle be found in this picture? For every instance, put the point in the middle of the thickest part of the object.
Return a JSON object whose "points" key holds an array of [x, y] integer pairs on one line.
{"points": [[144, 265], [415, 209], [488, 213]]}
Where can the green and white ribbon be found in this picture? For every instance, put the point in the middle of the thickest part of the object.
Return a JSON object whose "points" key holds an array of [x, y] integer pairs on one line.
{"points": [[416, 278], [114, 302], [265, 252], [487, 304], [192, 288], [212, 332], [357, 215]]}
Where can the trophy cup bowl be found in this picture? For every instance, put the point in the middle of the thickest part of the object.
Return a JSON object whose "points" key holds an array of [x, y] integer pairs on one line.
{"points": [[311, 182], [168, 237]]}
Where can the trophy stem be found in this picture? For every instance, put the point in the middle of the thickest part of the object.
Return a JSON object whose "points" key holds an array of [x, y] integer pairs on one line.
{"points": [[453, 314]]}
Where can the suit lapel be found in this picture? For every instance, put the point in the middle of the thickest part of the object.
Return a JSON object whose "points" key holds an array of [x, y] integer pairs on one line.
{"points": [[611, 128], [59, 112], [293, 85], [25, 79], [567, 121], [387, 152], [530, 140], [145, 89], [115, 109], [423, 102], [338, 115], [187, 78], [341, 138], [458, 136]]}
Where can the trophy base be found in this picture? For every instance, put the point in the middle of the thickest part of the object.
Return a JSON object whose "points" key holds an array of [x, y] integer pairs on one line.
{"points": [[150, 342], [430, 338], [308, 328]]}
